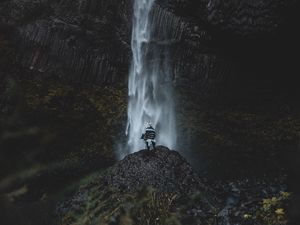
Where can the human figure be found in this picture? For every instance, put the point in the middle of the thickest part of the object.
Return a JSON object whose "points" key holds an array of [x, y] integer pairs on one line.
{"points": [[149, 136]]}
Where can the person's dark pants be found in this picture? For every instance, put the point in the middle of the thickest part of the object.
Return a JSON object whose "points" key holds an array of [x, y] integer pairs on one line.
{"points": [[153, 144], [147, 144]]}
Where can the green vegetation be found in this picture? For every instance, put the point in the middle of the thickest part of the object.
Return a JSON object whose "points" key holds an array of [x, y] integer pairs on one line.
{"points": [[53, 134], [107, 206], [101, 205], [62, 126], [6, 52], [93, 114], [274, 210], [271, 211]]}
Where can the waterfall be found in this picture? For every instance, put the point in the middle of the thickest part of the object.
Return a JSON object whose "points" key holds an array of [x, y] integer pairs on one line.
{"points": [[150, 83]]}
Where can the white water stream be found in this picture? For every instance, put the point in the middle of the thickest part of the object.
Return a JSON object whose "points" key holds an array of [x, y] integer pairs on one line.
{"points": [[150, 84]]}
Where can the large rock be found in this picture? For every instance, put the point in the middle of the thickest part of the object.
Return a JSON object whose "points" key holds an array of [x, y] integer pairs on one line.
{"points": [[162, 169], [144, 186]]}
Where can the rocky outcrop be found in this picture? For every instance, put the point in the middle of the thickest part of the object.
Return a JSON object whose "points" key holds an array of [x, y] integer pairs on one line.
{"points": [[162, 169], [159, 185], [158, 175]]}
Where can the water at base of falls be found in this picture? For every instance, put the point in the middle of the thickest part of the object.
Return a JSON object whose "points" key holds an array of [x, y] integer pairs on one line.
{"points": [[150, 84]]}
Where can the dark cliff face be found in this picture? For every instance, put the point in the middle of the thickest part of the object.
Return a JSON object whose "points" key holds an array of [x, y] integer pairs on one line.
{"points": [[80, 41], [89, 41], [240, 17]]}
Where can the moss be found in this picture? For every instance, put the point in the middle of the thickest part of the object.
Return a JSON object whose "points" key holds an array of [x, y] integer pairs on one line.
{"points": [[104, 206], [228, 137], [6, 52], [75, 129], [94, 112], [274, 210]]}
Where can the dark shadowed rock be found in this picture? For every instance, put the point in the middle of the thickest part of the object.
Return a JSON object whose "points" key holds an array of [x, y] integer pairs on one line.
{"points": [[145, 185], [162, 169]]}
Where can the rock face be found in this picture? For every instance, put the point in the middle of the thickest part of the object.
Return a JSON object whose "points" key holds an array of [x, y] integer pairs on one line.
{"points": [[88, 41], [162, 169], [236, 16], [80, 41]]}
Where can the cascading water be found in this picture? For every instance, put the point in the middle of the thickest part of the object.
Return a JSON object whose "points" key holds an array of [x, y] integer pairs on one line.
{"points": [[150, 83]]}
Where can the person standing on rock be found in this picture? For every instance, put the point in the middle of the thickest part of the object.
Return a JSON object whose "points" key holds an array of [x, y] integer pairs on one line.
{"points": [[149, 136]]}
